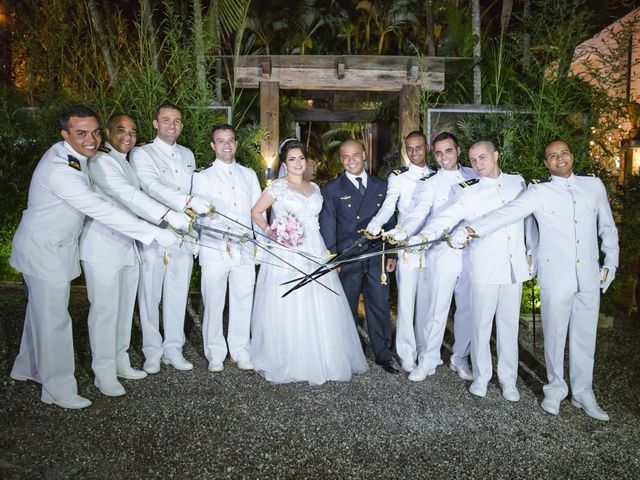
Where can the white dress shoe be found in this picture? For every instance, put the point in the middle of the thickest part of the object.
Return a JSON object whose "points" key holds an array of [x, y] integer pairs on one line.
{"points": [[74, 402], [131, 373], [23, 378], [510, 392], [151, 366], [463, 371], [420, 373], [408, 366], [177, 361], [110, 389], [551, 406], [478, 389], [590, 407], [244, 364], [215, 366]]}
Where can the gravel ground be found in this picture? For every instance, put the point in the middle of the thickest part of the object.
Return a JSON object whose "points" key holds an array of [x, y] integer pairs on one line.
{"points": [[234, 424]]}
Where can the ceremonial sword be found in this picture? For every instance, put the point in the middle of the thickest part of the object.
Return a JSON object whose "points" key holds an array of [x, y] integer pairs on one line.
{"points": [[246, 238], [331, 265]]}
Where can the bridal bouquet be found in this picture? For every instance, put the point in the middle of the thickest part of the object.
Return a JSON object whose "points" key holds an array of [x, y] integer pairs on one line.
{"points": [[288, 230]]}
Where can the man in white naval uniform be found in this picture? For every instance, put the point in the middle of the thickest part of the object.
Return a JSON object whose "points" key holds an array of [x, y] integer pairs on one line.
{"points": [[446, 269], [234, 190], [110, 260], [498, 266], [165, 169], [45, 250], [400, 187], [572, 212]]}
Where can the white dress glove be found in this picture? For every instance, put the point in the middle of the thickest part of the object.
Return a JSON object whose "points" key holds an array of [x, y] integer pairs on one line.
{"points": [[398, 234], [459, 239], [198, 205], [166, 238], [415, 239], [607, 274], [373, 228], [178, 220]]}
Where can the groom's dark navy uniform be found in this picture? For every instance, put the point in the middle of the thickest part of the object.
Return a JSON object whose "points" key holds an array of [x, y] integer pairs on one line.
{"points": [[347, 209]]}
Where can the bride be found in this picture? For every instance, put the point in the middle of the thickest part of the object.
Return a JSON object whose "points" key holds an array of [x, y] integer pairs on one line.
{"points": [[309, 335]]}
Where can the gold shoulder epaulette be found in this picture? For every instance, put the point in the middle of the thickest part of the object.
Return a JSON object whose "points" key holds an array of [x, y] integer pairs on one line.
{"points": [[536, 181], [141, 144], [104, 149], [586, 174], [468, 183], [74, 162], [513, 173], [427, 176]]}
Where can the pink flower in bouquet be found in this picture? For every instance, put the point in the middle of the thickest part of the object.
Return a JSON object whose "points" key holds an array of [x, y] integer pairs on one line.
{"points": [[288, 229]]}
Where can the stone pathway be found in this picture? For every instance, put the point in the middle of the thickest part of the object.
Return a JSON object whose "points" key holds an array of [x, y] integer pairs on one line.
{"points": [[236, 425]]}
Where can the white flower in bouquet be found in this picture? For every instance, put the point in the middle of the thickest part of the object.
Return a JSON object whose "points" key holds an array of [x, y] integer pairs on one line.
{"points": [[288, 230]]}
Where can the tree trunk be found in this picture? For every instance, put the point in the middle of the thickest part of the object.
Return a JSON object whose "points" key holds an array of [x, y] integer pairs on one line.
{"points": [[475, 28], [431, 38], [147, 22], [505, 15], [104, 46], [214, 31], [199, 44]]}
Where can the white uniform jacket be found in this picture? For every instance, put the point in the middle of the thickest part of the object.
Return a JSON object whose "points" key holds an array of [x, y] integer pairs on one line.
{"points": [[429, 199], [501, 256], [111, 173], [60, 195], [234, 190], [571, 214], [400, 188], [164, 171]]}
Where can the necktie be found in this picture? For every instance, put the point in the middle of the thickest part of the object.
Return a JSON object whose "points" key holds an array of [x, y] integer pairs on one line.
{"points": [[361, 186]]}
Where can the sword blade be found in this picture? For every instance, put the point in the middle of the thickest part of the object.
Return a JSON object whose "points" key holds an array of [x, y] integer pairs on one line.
{"points": [[259, 233], [261, 246]]}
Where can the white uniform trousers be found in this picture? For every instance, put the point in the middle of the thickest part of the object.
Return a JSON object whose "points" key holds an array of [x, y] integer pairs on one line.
{"points": [[436, 294], [46, 350], [171, 284], [112, 293], [577, 312], [241, 279], [503, 301], [407, 276]]}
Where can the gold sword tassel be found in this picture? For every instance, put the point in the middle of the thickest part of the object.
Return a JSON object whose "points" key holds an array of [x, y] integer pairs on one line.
{"points": [[383, 275]]}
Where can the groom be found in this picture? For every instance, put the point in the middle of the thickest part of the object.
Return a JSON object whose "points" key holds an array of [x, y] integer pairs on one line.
{"points": [[350, 202]]}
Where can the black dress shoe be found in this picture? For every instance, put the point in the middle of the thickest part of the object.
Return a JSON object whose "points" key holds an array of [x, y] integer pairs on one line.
{"points": [[390, 366]]}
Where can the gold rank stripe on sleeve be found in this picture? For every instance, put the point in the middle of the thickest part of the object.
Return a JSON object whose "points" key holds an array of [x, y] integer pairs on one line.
{"points": [[468, 183], [74, 162]]}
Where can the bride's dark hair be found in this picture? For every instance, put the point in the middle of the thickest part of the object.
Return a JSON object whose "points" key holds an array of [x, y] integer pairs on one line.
{"points": [[289, 144]]}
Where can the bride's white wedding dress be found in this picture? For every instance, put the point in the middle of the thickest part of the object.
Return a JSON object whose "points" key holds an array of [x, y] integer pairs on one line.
{"points": [[310, 335]]}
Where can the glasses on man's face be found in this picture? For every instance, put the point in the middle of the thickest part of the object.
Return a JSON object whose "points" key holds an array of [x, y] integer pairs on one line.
{"points": [[557, 155]]}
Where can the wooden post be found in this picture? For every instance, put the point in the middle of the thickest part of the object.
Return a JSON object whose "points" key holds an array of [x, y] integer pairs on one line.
{"points": [[270, 121], [409, 110]]}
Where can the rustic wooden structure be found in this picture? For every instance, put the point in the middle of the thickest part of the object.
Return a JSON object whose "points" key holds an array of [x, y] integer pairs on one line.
{"points": [[405, 77]]}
